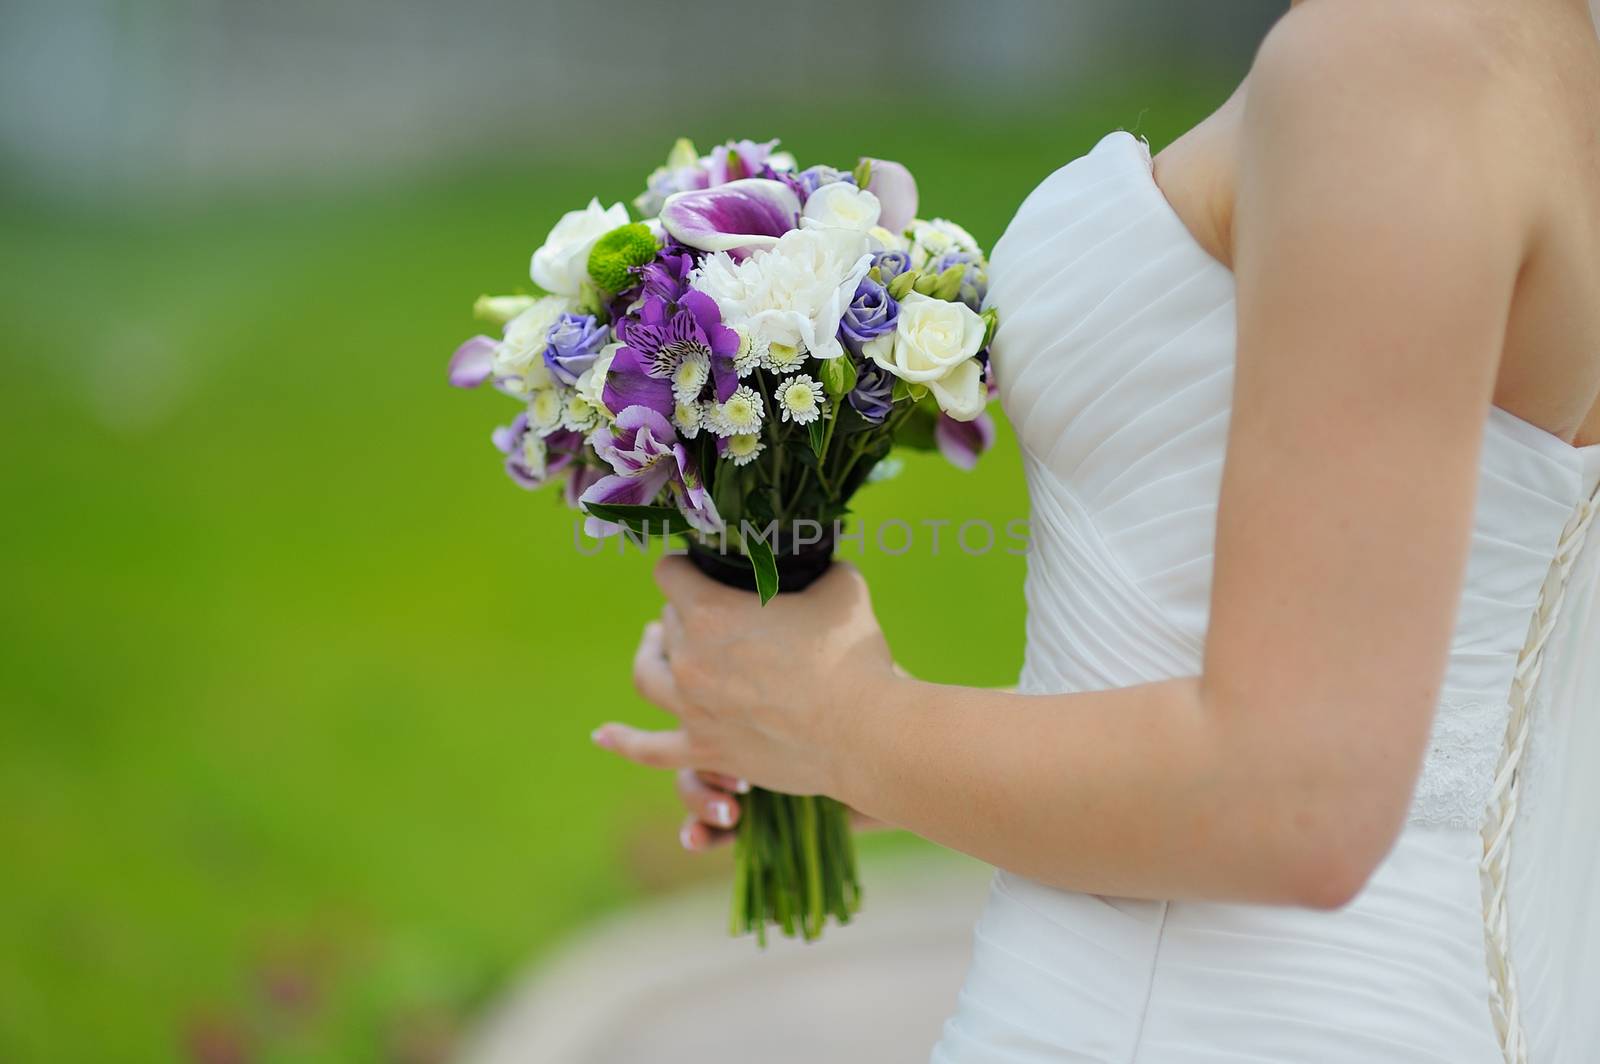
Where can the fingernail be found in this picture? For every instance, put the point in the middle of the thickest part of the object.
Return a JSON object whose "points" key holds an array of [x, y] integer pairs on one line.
{"points": [[601, 738], [722, 813], [685, 839], [741, 787]]}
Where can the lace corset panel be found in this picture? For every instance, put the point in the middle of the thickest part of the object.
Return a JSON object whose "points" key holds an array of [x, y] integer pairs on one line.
{"points": [[1115, 367]]}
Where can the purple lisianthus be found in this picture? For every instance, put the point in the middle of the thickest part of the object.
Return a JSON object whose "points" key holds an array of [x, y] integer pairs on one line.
{"points": [[647, 456], [572, 344], [872, 312], [657, 339], [737, 217], [891, 264], [873, 395], [814, 177], [962, 442]]}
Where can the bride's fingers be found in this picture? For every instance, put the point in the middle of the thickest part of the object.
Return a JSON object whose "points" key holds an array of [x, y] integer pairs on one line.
{"points": [[671, 629], [696, 837], [724, 782], [716, 808], [654, 749], [652, 677]]}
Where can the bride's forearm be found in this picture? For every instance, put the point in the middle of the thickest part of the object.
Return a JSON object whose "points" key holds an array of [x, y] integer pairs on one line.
{"points": [[1132, 791]]}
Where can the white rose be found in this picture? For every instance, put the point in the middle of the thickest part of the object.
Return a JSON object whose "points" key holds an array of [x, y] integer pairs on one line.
{"points": [[841, 206], [521, 352], [934, 343], [562, 261], [883, 239]]}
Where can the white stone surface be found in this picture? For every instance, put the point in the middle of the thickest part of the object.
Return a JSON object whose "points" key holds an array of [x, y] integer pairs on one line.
{"points": [[662, 984]]}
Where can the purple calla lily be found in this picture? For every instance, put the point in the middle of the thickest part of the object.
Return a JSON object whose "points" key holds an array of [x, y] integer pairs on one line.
{"points": [[896, 190], [961, 442], [647, 456], [738, 217], [473, 362]]}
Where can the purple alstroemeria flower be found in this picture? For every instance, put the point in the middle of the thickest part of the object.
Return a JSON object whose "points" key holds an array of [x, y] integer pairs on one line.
{"points": [[962, 442], [873, 395], [891, 264], [531, 460], [647, 456], [738, 217], [667, 277], [896, 190], [572, 345], [738, 159], [583, 477], [473, 362], [872, 313], [657, 339]]}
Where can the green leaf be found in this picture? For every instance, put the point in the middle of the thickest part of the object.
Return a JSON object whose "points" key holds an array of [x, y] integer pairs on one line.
{"points": [[644, 520], [819, 437], [838, 375], [759, 552], [991, 322], [916, 431], [863, 173]]}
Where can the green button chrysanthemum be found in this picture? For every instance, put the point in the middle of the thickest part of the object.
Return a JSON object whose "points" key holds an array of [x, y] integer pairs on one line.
{"points": [[619, 250]]}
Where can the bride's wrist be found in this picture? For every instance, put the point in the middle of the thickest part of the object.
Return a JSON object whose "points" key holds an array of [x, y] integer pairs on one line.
{"points": [[856, 721]]}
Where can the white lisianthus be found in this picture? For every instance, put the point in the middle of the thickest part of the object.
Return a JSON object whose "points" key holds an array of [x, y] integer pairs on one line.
{"points": [[562, 261], [886, 239], [521, 352], [745, 448], [800, 399], [591, 384], [934, 343], [793, 293], [545, 409], [841, 206], [930, 240]]}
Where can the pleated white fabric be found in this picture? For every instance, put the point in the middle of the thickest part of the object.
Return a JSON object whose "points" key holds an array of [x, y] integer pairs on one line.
{"points": [[1115, 365]]}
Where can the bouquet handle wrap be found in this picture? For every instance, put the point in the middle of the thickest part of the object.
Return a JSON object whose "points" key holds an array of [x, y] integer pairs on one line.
{"points": [[794, 856]]}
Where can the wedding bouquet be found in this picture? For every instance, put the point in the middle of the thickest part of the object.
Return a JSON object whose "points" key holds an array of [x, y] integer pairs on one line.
{"points": [[731, 369]]}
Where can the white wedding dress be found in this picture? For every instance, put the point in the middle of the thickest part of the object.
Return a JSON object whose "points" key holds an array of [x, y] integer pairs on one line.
{"points": [[1115, 366]]}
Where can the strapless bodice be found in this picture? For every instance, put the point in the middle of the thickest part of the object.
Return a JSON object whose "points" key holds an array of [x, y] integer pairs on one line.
{"points": [[1115, 367]]}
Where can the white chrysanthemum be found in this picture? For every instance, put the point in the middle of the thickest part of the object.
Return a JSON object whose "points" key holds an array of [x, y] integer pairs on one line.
{"points": [[744, 448], [545, 408], [535, 455], [792, 293], [740, 415], [800, 399], [579, 414], [690, 376], [521, 351], [782, 358], [688, 418], [752, 353], [930, 240]]}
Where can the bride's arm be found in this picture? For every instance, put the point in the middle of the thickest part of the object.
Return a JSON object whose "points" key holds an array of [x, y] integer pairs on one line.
{"points": [[1376, 251]]}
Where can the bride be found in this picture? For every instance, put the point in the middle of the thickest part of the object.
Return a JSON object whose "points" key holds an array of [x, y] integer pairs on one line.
{"points": [[1301, 766]]}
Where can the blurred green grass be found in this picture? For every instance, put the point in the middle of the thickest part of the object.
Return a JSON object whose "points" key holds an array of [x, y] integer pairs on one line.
{"points": [[295, 687]]}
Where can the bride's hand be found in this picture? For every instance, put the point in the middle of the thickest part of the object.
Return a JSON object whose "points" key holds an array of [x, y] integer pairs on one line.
{"points": [[759, 691]]}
